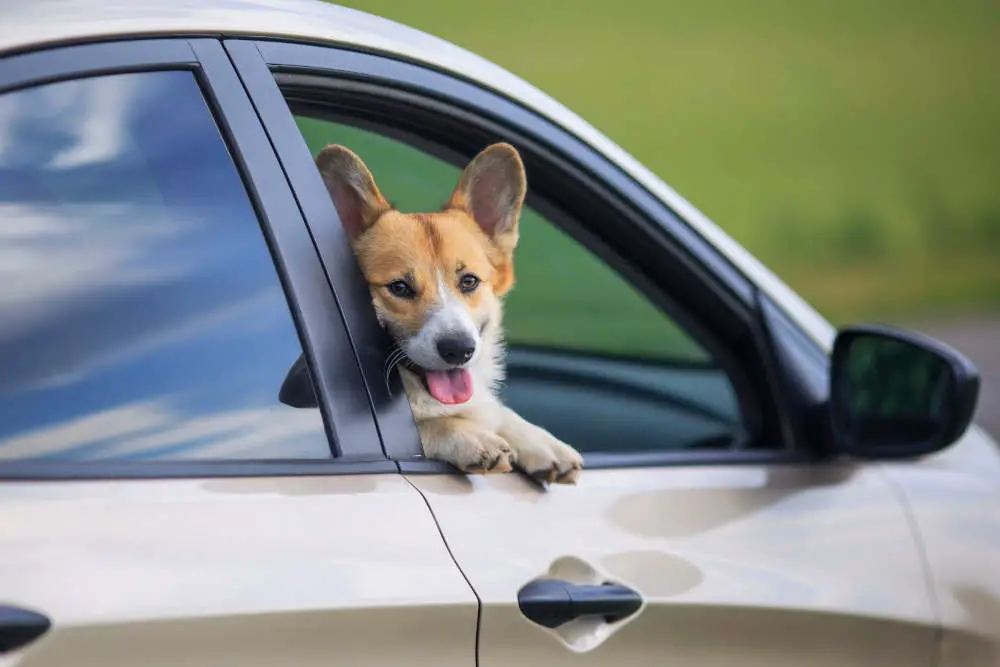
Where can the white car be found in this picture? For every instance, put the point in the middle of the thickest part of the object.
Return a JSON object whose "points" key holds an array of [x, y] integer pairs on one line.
{"points": [[203, 463]]}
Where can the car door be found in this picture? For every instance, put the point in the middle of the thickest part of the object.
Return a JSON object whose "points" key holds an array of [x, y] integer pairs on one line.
{"points": [[955, 502], [158, 504], [705, 529]]}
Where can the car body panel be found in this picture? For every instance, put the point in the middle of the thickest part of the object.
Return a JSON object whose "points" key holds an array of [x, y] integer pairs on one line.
{"points": [[819, 561], [261, 571], [29, 24], [955, 503]]}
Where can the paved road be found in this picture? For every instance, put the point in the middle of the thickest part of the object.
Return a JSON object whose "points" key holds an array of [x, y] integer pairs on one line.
{"points": [[978, 339]]}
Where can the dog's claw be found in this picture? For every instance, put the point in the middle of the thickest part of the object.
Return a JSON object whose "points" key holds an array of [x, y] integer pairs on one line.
{"points": [[494, 467], [494, 462], [542, 475], [569, 476], [555, 476]]}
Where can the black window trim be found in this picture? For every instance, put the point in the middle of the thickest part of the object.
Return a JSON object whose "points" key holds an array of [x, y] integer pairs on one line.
{"points": [[350, 72], [348, 417], [392, 412]]}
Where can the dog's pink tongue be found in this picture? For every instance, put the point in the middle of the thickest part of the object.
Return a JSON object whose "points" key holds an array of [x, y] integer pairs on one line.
{"points": [[450, 387]]}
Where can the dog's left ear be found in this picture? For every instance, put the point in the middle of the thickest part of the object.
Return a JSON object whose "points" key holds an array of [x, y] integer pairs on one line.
{"points": [[491, 190], [352, 189]]}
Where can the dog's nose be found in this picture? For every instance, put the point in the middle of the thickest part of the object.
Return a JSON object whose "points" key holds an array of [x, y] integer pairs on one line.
{"points": [[456, 349]]}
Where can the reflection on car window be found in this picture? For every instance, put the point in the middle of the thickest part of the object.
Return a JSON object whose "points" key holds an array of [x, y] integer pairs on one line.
{"points": [[590, 358], [141, 316]]}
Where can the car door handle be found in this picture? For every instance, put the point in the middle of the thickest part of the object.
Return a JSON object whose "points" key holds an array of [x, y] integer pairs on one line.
{"points": [[553, 602], [19, 627]]}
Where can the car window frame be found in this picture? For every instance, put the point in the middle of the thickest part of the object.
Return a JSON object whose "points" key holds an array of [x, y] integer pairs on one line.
{"points": [[264, 65], [347, 414]]}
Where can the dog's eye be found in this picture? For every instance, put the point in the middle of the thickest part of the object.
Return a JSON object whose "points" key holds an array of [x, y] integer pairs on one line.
{"points": [[401, 289], [468, 282]]}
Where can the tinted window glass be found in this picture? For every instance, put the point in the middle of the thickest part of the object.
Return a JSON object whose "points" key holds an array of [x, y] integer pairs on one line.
{"points": [[141, 316], [590, 357]]}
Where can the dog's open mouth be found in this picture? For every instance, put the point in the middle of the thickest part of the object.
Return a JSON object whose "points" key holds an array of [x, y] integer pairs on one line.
{"points": [[450, 387]]}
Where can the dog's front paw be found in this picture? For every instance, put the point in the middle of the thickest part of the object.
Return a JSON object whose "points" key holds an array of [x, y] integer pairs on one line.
{"points": [[465, 445], [548, 459], [483, 453]]}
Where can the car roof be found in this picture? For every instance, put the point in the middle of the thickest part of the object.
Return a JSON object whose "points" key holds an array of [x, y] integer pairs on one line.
{"points": [[27, 24]]}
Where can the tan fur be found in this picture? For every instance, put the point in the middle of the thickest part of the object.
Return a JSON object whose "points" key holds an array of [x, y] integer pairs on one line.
{"points": [[475, 234], [419, 245]]}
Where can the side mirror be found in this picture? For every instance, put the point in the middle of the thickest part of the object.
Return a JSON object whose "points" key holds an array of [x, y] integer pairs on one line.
{"points": [[897, 394], [297, 389]]}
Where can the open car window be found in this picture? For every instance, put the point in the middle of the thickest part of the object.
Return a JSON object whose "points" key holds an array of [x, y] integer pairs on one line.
{"points": [[589, 357]]}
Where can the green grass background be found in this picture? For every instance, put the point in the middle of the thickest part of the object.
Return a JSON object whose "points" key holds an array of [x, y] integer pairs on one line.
{"points": [[853, 146]]}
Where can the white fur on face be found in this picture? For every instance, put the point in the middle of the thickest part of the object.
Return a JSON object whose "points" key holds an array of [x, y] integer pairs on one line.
{"points": [[450, 317]]}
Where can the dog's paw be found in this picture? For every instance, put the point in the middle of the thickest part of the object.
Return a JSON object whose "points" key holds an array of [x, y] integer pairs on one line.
{"points": [[548, 459], [484, 453]]}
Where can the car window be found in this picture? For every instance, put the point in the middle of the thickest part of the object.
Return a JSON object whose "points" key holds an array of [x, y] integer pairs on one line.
{"points": [[590, 357], [141, 315]]}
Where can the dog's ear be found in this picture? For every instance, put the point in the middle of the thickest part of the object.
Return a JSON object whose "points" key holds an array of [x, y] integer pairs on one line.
{"points": [[352, 188], [491, 190]]}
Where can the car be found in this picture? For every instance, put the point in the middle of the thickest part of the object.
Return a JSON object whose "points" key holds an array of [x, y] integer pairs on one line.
{"points": [[203, 460]]}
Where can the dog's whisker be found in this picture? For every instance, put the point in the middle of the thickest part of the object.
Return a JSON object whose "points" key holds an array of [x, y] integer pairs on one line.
{"points": [[392, 359], [390, 363], [393, 351]]}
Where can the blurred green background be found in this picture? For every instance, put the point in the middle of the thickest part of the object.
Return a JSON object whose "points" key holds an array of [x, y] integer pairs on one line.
{"points": [[853, 146]]}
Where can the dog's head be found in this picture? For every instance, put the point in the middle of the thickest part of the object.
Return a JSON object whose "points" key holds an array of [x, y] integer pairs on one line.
{"points": [[436, 278]]}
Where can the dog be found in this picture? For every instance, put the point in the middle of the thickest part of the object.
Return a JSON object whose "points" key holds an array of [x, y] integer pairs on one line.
{"points": [[437, 281]]}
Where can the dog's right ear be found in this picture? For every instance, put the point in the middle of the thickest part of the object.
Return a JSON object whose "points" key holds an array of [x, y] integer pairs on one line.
{"points": [[491, 190], [352, 189]]}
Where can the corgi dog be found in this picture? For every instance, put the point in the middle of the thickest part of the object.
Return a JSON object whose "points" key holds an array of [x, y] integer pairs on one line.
{"points": [[437, 281]]}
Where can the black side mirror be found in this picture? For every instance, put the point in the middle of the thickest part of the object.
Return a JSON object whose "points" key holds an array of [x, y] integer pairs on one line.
{"points": [[897, 394], [297, 389]]}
